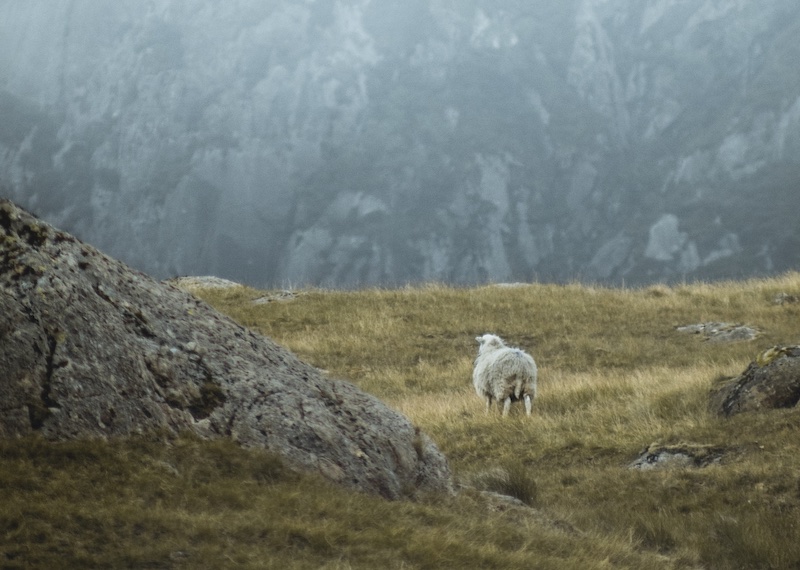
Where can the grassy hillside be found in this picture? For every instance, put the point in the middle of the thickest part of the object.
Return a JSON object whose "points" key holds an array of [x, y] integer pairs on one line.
{"points": [[615, 376]]}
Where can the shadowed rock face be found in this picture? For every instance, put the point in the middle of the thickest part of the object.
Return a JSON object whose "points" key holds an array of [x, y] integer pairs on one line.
{"points": [[376, 142], [771, 381], [91, 348]]}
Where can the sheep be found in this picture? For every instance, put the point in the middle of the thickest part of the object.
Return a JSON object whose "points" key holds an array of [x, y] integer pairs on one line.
{"points": [[504, 374]]}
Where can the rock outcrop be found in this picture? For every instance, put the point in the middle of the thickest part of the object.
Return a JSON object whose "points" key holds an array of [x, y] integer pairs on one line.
{"points": [[92, 348], [606, 140], [771, 381]]}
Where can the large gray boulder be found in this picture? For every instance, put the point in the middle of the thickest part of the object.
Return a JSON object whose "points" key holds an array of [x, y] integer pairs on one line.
{"points": [[771, 381], [91, 348]]}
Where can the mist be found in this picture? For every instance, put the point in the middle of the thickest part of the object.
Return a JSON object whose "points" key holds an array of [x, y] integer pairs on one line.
{"points": [[354, 143]]}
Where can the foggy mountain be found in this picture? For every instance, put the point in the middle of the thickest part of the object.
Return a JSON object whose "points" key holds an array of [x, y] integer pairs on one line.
{"points": [[364, 142]]}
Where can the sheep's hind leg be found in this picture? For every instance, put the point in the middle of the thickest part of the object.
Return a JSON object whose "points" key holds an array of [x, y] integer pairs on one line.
{"points": [[506, 406], [528, 404], [488, 403]]}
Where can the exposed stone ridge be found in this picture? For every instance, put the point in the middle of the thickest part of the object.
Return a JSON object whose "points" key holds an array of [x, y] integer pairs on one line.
{"points": [[92, 348]]}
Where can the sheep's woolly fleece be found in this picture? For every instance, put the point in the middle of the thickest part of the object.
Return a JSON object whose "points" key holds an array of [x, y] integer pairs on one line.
{"points": [[504, 374]]}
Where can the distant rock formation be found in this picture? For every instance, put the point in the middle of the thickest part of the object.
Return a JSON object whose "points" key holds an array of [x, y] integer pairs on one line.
{"points": [[771, 381], [601, 140], [91, 348]]}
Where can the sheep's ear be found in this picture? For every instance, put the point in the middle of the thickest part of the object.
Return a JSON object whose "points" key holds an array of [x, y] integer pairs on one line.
{"points": [[479, 338]]}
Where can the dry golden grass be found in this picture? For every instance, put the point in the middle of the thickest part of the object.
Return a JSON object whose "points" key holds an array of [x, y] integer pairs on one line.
{"points": [[615, 376]]}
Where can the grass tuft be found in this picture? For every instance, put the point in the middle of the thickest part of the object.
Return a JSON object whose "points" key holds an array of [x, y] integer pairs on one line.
{"points": [[513, 480]]}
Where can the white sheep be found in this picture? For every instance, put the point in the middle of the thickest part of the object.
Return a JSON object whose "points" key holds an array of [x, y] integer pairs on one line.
{"points": [[504, 374]]}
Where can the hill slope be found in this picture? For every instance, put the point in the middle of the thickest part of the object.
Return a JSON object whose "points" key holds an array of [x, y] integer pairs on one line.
{"points": [[616, 378]]}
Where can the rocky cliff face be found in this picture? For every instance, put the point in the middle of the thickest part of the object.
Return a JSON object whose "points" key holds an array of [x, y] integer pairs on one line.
{"points": [[365, 142], [91, 348]]}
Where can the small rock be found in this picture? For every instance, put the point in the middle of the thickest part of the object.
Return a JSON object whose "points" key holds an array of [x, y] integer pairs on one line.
{"points": [[721, 332], [785, 299], [280, 296], [685, 455]]}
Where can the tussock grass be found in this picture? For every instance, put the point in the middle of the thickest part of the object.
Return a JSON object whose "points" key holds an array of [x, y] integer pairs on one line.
{"points": [[615, 377]]}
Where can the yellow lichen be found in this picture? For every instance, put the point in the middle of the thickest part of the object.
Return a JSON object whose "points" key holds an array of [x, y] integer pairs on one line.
{"points": [[772, 354]]}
